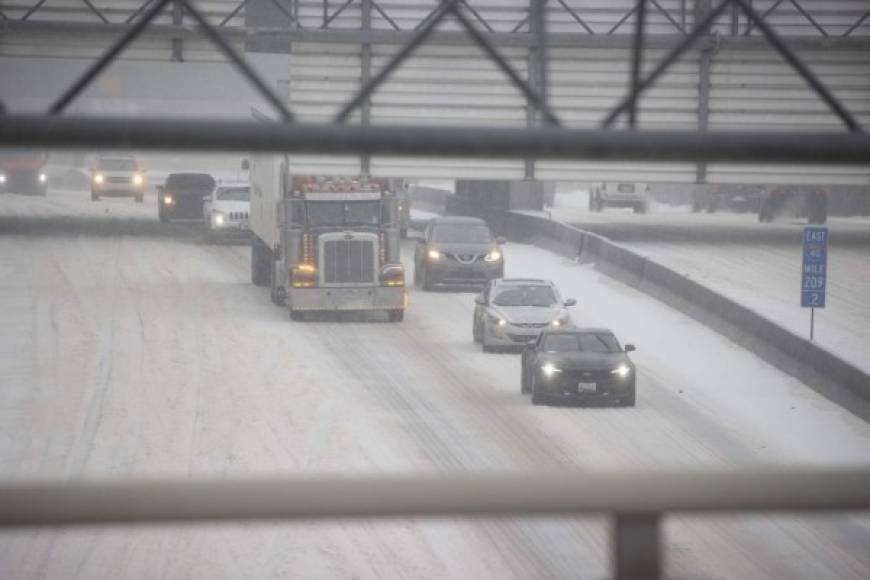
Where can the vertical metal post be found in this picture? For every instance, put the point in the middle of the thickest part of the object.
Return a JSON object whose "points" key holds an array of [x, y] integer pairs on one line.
{"points": [[325, 12], [636, 59], [177, 20], [636, 549], [538, 62], [365, 77], [702, 7], [812, 323], [735, 20]]}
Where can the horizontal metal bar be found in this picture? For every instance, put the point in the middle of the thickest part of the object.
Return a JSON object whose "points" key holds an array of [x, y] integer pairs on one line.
{"points": [[564, 492], [444, 38], [519, 143]]}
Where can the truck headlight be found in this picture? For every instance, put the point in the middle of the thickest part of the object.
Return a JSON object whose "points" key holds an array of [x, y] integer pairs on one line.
{"points": [[167, 200], [138, 179], [219, 219], [550, 370], [43, 178], [493, 256], [304, 275], [621, 371], [99, 179], [434, 255], [393, 275], [2, 178]]}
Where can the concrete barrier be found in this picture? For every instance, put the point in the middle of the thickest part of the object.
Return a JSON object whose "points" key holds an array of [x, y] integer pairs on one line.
{"points": [[820, 369]]}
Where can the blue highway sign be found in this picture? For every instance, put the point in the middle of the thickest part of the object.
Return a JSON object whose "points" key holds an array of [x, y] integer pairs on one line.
{"points": [[814, 271]]}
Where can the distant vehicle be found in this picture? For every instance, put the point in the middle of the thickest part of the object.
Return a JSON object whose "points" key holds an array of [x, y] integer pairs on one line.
{"points": [[810, 202], [457, 251], [619, 194], [226, 211], [512, 312], [582, 364], [181, 197], [736, 197], [117, 177], [23, 171], [325, 244]]}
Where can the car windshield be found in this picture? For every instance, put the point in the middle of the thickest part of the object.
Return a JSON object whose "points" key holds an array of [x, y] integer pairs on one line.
{"points": [[234, 193], [462, 234], [595, 342], [117, 164], [343, 213], [531, 295]]}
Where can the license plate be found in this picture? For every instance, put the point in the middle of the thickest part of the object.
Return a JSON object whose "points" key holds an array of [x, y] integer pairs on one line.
{"points": [[586, 387]]}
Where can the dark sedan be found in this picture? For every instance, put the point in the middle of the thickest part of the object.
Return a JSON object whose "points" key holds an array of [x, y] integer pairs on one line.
{"points": [[580, 364]]}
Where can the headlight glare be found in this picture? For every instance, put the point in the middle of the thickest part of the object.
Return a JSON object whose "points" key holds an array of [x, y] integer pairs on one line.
{"points": [[550, 370], [219, 219], [2, 178], [493, 256], [434, 255], [621, 371], [137, 179], [167, 199], [43, 178], [98, 178]]}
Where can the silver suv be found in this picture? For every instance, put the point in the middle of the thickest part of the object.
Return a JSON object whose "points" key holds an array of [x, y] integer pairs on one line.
{"points": [[117, 177]]}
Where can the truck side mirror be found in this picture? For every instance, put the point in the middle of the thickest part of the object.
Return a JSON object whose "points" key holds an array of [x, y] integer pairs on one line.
{"points": [[571, 302], [500, 240], [629, 348]]}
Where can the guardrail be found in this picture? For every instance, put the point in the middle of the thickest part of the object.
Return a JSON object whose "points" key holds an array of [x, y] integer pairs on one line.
{"points": [[637, 500]]}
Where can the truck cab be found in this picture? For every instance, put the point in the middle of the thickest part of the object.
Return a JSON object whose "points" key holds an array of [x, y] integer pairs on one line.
{"points": [[326, 244]]}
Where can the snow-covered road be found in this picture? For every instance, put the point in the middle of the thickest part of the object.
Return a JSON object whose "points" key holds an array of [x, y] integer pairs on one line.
{"points": [[136, 356]]}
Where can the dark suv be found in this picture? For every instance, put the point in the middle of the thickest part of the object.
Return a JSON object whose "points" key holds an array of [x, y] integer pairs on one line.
{"points": [[457, 251], [182, 195]]}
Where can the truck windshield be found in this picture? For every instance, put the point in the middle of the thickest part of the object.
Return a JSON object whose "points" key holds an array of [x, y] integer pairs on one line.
{"points": [[343, 213], [234, 194]]}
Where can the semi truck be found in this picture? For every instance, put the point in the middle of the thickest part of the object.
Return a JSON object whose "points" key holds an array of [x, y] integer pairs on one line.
{"points": [[325, 244]]}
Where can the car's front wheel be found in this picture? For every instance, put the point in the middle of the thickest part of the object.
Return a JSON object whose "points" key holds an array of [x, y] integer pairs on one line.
{"points": [[524, 381], [476, 332], [539, 397], [629, 399]]}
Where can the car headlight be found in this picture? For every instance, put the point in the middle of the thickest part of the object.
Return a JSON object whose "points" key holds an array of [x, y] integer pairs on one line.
{"points": [[43, 178], [493, 256], [498, 321], [2, 178], [98, 178], [138, 180], [167, 199], [550, 370], [434, 255], [621, 371], [219, 219]]}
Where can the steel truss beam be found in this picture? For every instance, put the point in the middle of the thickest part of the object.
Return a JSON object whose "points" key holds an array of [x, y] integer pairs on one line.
{"points": [[426, 141], [283, 36]]}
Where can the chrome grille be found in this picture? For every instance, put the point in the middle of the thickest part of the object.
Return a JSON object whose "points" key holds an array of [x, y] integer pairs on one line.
{"points": [[238, 215], [530, 324], [348, 262], [464, 258], [118, 179]]}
